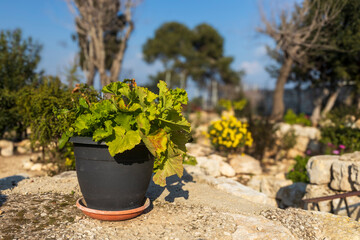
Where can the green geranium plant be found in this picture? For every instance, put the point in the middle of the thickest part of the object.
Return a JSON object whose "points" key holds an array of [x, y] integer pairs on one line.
{"points": [[130, 115]]}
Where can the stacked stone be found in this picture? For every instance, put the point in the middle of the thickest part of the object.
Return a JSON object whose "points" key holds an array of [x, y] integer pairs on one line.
{"points": [[330, 175]]}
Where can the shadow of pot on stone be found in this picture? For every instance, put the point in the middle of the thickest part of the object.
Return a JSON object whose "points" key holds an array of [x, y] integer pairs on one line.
{"points": [[174, 185]]}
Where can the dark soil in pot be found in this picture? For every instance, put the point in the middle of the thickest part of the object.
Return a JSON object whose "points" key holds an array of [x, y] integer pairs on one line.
{"points": [[112, 183]]}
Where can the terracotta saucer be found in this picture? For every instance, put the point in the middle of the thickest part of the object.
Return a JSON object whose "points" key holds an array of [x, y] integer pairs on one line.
{"points": [[111, 215]]}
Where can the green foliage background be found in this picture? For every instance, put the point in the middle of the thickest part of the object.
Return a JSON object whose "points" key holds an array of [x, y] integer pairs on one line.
{"points": [[298, 173]]}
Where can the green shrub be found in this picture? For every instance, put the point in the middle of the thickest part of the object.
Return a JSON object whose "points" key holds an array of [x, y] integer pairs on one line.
{"points": [[288, 141], [263, 135], [10, 119], [39, 108], [298, 173], [341, 135], [291, 118], [37, 105], [340, 139]]}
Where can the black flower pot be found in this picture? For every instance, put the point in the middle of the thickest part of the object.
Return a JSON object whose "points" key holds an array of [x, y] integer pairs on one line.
{"points": [[112, 183]]}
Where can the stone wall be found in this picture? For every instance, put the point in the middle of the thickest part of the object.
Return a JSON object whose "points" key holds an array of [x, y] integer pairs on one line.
{"points": [[331, 175]]}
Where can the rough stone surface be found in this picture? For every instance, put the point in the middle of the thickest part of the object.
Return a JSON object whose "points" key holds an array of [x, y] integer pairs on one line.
{"points": [[270, 185], [319, 168], [217, 157], [353, 157], [291, 196], [251, 227], [293, 152], [255, 182], [245, 164], [302, 143], [47, 184], [314, 191], [237, 189], [339, 207], [281, 167], [184, 209], [23, 147], [355, 176], [198, 150], [341, 176], [7, 148], [36, 167], [226, 170], [315, 225], [301, 131], [210, 166]]}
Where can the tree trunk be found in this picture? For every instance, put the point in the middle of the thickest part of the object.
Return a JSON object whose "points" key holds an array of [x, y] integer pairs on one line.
{"points": [[330, 102], [214, 93], [278, 97], [316, 116], [104, 79], [298, 92], [183, 80], [168, 78], [90, 75], [350, 98]]}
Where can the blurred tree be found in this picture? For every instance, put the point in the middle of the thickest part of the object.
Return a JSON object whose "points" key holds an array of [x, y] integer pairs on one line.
{"points": [[296, 34], [209, 65], [337, 67], [197, 53], [329, 69], [19, 59], [172, 45], [37, 106], [103, 30]]}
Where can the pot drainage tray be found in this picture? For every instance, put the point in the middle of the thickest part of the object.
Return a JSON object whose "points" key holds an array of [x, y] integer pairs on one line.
{"points": [[111, 215]]}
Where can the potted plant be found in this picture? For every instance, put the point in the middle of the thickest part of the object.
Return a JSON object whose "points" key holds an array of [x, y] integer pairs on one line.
{"points": [[121, 139]]}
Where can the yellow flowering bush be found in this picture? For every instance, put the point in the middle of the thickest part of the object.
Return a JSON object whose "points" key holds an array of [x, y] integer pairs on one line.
{"points": [[229, 134]]}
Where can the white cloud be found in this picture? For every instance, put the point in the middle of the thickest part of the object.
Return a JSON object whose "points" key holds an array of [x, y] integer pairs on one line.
{"points": [[251, 67], [260, 51]]}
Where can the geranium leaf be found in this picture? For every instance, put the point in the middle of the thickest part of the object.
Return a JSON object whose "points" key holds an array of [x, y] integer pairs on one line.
{"points": [[173, 165], [123, 119], [143, 123], [122, 140], [156, 142], [179, 139], [82, 122], [102, 133], [183, 124]]}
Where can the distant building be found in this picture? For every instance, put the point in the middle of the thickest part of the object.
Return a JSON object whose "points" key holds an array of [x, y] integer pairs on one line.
{"points": [[299, 101], [261, 100]]}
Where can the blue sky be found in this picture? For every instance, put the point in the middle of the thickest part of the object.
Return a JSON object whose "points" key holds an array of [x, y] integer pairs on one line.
{"points": [[51, 24]]}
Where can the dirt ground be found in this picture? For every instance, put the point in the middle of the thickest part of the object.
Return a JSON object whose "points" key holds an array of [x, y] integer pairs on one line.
{"points": [[13, 165]]}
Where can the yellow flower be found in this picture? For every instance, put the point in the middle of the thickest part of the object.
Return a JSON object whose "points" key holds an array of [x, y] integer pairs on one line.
{"points": [[68, 162], [236, 142], [218, 126]]}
